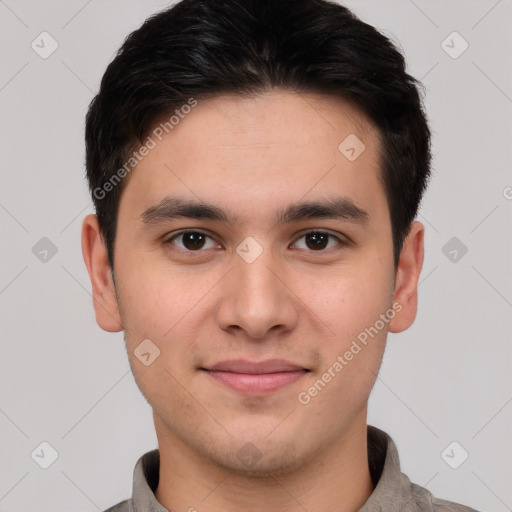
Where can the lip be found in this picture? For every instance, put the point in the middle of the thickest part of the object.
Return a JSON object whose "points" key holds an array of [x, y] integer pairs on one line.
{"points": [[255, 367], [256, 377]]}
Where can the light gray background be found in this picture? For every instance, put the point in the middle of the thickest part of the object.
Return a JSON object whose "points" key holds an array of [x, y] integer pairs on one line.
{"points": [[66, 382]]}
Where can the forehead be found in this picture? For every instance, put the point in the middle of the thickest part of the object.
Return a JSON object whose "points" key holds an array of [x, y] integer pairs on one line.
{"points": [[272, 119], [276, 146]]}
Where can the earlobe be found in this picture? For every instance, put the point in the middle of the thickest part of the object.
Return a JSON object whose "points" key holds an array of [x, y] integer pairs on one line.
{"points": [[100, 274], [406, 279]]}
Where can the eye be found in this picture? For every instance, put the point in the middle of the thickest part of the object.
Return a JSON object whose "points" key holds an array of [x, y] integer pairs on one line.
{"points": [[192, 241], [319, 240], [195, 241]]}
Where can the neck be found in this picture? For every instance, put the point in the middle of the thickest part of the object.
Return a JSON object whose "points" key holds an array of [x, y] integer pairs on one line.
{"points": [[335, 480]]}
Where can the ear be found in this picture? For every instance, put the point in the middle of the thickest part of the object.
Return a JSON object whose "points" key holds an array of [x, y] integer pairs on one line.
{"points": [[406, 279], [100, 274]]}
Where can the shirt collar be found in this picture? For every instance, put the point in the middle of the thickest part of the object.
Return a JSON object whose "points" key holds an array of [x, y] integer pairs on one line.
{"points": [[145, 481], [392, 492]]}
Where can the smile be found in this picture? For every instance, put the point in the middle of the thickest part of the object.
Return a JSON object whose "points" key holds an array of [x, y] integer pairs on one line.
{"points": [[256, 384]]}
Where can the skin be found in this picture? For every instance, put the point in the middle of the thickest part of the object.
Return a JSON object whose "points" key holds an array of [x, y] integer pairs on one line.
{"points": [[254, 156]]}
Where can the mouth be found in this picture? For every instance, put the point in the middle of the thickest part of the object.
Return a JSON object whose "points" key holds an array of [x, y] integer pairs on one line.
{"points": [[256, 378]]}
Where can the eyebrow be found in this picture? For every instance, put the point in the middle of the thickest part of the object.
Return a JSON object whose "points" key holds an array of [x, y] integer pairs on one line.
{"points": [[335, 208]]}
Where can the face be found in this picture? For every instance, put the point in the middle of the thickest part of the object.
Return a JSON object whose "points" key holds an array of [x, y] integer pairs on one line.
{"points": [[291, 260]]}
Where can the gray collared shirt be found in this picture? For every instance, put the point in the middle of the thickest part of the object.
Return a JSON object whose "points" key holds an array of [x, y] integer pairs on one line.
{"points": [[393, 490]]}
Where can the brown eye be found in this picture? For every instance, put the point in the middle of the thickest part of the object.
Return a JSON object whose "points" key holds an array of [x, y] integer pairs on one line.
{"points": [[318, 240], [190, 240]]}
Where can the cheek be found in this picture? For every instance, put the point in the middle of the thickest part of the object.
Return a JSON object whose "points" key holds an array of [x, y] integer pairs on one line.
{"points": [[153, 297], [168, 308], [352, 348], [347, 300], [161, 309], [351, 304]]}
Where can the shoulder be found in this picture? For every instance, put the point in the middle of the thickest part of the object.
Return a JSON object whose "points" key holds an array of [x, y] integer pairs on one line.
{"points": [[425, 502], [122, 506]]}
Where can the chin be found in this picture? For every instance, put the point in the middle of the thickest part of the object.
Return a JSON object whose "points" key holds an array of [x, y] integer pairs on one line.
{"points": [[260, 460]]}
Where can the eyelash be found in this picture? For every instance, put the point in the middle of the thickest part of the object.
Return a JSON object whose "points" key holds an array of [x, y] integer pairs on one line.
{"points": [[169, 240]]}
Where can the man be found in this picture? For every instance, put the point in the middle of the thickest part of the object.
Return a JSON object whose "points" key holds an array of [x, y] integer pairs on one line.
{"points": [[256, 168]]}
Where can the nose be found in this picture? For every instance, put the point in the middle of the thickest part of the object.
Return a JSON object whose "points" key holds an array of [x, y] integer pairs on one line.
{"points": [[257, 299]]}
